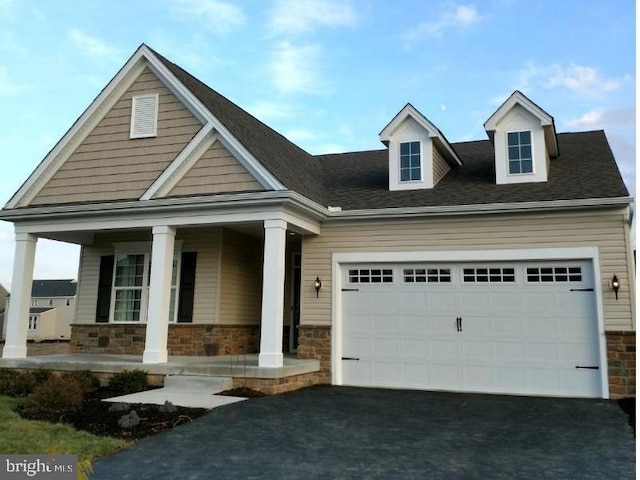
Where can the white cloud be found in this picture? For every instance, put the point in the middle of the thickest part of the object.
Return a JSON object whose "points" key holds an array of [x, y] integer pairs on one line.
{"points": [[296, 68], [597, 118], [293, 16], [9, 87], [93, 47], [584, 80], [266, 110], [219, 17], [459, 16]]}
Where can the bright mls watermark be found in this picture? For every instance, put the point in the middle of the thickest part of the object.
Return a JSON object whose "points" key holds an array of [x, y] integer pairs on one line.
{"points": [[45, 467]]}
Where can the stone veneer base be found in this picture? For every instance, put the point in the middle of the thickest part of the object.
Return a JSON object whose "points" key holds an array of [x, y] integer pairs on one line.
{"points": [[621, 357], [184, 339]]}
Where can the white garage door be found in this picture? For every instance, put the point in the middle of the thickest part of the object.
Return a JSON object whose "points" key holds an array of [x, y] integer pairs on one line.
{"points": [[525, 328]]}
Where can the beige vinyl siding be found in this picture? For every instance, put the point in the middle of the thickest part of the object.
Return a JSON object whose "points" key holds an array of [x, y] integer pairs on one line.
{"points": [[217, 171], [524, 231], [108, 165], [205, 241], [240, 279], [440, 166]]}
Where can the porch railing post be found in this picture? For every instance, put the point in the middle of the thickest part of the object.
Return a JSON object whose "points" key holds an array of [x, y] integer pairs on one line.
{"points": [[273, 276], [155, 348], [18, 315]]}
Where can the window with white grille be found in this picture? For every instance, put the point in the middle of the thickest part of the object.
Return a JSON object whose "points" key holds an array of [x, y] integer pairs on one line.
{"points": [[489, 275], [371, 275], [144, 116], [554, 274], [427, 275]]}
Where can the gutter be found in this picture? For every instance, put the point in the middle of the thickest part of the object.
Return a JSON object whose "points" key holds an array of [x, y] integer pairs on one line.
{"points": [[171, 205], [337, 213]]}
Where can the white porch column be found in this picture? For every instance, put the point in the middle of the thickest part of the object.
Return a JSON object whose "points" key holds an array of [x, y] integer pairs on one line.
{"points": [[155, 347], [275, 238], [18, 316]]}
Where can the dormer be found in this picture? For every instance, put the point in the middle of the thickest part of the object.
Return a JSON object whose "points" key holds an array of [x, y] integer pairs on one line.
{"points": [[524, 140], [419, 154]]}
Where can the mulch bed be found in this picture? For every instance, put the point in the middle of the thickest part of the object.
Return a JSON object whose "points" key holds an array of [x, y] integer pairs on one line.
{"points": [[101, 418]]}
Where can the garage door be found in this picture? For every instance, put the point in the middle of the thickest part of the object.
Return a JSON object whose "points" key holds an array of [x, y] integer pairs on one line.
{"points": [[516, 328]]}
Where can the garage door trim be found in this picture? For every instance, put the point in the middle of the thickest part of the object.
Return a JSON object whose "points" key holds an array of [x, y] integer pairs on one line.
{"points": [[450, 256]]}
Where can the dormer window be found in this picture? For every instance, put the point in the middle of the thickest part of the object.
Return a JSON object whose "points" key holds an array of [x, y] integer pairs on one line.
{"points": [[524, 141], [520, 157], [419, 155], [410, 166]]}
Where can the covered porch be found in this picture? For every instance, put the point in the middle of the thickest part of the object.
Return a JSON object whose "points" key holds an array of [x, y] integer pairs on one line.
{"points": [[274, 220], [244, 370]]}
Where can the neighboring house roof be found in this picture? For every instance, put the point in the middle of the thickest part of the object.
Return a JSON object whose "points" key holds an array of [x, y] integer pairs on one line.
{"points": [[586, 169], [39, 310], [53, 288]]}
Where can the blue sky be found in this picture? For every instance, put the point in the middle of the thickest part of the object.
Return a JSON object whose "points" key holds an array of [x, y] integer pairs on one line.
{"points": [[327, 74]]}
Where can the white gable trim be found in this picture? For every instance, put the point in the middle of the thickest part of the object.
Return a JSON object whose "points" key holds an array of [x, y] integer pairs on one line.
{"points": [[78, 132], [143, 57], [517, 98], [410, 111], [198, 145], [546, 120], [261, 174]]}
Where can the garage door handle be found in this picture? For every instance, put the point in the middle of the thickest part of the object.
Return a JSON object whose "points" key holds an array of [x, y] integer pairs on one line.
{"points": [[459, 324], [350, 358], [581, 290], [590, 367]]}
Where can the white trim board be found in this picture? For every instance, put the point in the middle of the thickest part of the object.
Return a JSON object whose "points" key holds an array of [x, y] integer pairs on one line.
{"points": [[520, 255]]}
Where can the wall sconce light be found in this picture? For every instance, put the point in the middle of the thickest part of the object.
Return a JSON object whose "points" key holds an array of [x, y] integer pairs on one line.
{"points": [[317, 285], [615, 284]]}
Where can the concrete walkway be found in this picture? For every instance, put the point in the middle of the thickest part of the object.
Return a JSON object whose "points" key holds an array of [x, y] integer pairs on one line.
{"points": [[351, 433], [193, 391]]}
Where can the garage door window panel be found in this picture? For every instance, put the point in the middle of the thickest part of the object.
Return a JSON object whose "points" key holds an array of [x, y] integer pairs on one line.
{"points": [[554, 274], [489, 275], [370, 275], [427, 275]]}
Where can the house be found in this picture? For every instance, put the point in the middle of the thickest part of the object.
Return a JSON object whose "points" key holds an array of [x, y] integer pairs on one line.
{"points": [[51, 310], [501, 265], [3, 305]]}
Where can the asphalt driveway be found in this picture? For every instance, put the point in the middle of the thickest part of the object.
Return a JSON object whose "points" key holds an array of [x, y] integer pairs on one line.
{"points": [[354, 433]]}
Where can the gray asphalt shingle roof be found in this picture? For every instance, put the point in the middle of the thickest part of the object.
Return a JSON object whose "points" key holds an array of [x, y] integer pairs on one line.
{"points": [[585, 169], [53, 288], [359, 180]]}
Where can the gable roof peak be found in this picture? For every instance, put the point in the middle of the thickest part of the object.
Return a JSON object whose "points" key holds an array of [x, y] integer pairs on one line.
{"points": [[546, 120], [409, 111]]}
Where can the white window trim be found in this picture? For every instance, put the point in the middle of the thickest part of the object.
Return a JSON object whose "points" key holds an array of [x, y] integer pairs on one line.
{"points": [[144, 248], [153, 131], [533, 155], [407, 182]]}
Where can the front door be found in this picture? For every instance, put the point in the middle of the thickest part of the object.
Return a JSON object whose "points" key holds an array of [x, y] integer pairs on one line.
{"points": [[295, 301]]}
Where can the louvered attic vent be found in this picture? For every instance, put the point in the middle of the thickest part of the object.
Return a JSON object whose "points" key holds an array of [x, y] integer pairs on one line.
{"points": [[144, 116]]}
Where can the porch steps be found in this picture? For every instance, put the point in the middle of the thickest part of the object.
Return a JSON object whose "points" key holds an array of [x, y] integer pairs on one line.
{"points": [[197, 383]]}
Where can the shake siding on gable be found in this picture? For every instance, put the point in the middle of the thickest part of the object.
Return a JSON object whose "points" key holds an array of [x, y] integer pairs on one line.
{"points": [[205, 241], [217, 171], [440, 166], [108, 165], [605, 231]]}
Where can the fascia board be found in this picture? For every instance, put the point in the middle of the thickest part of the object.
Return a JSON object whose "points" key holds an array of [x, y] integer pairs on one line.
{"points": [[179, 209], [76, 129], [622, 202]]}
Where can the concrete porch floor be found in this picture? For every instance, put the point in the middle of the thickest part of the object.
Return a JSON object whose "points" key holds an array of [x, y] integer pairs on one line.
{"points": [[237, 366]]}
